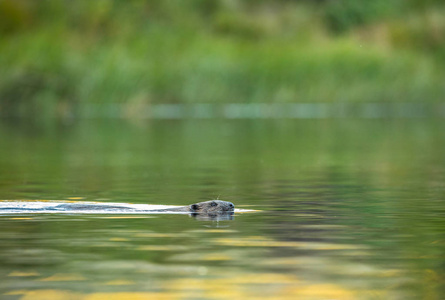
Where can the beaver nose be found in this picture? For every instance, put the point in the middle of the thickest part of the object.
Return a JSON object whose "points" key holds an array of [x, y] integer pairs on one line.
{"points": [[231, 205]]}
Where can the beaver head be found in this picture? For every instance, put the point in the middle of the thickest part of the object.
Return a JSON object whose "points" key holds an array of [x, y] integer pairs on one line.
{"points": [[212, 207]]}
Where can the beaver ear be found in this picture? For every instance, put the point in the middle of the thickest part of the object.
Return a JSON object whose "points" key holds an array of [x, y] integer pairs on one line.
{"points": [[194, 207], [213, 203]]}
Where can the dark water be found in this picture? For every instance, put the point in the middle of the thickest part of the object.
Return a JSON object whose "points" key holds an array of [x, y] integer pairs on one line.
{"points": [[350, 209]]}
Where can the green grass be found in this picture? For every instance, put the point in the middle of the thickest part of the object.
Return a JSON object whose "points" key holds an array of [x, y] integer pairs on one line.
{"points": [[180, 56]]}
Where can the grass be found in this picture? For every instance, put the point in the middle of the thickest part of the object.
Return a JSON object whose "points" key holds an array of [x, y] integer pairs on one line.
{"points": [[113, 56]]}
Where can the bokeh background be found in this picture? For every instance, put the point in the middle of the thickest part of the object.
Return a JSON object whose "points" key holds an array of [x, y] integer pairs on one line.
{"points": [[134, 59], [325, 115]]}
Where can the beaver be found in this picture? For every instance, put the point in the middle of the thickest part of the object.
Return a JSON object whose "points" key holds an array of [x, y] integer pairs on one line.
{"points": [[207, 210], [211, 207]]}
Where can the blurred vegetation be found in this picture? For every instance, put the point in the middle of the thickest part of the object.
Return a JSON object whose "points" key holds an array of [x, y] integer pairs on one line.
{"points": [[58, 56]]}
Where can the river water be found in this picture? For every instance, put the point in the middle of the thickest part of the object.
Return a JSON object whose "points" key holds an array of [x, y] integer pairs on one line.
{"points": [[347, 209]]}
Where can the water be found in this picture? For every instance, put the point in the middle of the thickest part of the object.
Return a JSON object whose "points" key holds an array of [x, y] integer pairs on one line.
{"points": [[349, 209]]}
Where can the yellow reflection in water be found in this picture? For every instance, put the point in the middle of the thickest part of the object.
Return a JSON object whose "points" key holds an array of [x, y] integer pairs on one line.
{"points": [[117, 239], [22, 274], [119, 282], [161, 248], [250, 286], [65, 295], [132, 296], [216, 257], [259, 286], [258, 241], [64, 277]]}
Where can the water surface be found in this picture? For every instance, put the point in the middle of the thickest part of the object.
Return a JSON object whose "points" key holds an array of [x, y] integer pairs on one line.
{"points": [[350, 209]]}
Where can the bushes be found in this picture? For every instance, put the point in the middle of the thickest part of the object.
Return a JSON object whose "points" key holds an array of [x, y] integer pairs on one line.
{"points": [[342, 15], [212, 52]]}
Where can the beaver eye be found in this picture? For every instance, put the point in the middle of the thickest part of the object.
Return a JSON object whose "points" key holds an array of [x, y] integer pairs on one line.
{"points": [[213, 204], [194, 207]]}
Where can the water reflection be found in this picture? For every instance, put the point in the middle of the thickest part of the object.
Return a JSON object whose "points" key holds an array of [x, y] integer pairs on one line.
{"points": [[349, 210], [214, 217]]}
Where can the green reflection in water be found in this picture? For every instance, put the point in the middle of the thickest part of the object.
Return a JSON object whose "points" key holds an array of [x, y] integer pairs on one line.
{"points": [[351, 209]]}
